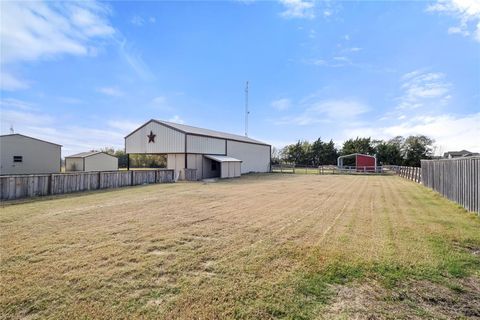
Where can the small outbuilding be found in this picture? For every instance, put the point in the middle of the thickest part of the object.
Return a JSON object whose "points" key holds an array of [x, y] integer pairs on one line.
{"points": [[229, 167], [20, 154], [91, 161], [202, 153], [363, 162]]}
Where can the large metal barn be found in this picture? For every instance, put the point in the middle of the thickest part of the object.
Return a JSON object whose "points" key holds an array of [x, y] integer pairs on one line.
{"points": [[197, 153]]}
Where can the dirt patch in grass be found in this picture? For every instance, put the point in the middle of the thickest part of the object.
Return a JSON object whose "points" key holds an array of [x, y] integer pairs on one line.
{"points": [[457, 299]]}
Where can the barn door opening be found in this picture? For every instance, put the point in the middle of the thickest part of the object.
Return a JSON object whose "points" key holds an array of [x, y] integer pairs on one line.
{"points": [[211, 168]]}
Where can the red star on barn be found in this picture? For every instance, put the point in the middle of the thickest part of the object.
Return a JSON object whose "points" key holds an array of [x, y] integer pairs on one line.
{"points": [[151, 137]]}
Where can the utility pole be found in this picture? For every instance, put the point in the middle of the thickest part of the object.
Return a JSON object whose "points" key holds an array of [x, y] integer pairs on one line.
{"points": [[247, 112]]}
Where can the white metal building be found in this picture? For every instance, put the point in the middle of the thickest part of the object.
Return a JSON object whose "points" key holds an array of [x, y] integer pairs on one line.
{"points": [[20, 154], [211, 153], [91, 161]]}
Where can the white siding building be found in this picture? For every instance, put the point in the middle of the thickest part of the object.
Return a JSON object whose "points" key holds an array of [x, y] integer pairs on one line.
{"points": [[21, 154], [211, 153], [91, 161]]}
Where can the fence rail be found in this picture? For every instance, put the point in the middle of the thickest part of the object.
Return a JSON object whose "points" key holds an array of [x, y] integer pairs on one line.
{"points": [[24, 186], [410, 173], [329, 169], [456, 179]]}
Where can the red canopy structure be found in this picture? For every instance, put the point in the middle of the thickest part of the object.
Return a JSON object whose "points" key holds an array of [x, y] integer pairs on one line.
{"points": [[363, 162]]}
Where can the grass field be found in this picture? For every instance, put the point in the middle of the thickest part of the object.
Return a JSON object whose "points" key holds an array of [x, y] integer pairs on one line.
{"points": [[258, 247]]}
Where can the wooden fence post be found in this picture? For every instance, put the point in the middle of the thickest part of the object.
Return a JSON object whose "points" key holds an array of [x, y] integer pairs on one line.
{"points": [[50, 184]]}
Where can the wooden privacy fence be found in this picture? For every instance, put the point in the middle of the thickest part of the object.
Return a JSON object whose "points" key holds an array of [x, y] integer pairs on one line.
{"points": [[24, 186], [410, 173], [456, 179]]}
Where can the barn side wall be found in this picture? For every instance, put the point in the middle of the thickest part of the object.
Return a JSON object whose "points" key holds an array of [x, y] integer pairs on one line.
{"points": [[255, 157], [73, 164], [363, 161], [230, 169], [37, 156], [205, 145], [166, 140], [101, 162], [176, 162], [195, 161]]}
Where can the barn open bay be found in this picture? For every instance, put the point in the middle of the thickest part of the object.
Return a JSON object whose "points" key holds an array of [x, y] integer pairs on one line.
{"points": [[263, 246]]}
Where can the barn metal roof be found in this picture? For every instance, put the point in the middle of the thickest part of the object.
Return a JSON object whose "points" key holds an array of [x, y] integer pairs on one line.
{"points": [[221, 158], [203, 132], [207, 132], [355, 154], [22, 135], [86, 154]]}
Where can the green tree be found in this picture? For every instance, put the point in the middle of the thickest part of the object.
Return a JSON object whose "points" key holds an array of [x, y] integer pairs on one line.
{"points": [[416, 148], [109, 150], [276, 155], [388, 153], [298, 153], [358, 145], [330, 153], [316, 151], [323, 153]]}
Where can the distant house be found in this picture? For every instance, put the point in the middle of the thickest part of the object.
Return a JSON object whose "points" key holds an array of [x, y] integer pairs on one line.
{"points": [[20, 154], [91, 161], [459, 154]]}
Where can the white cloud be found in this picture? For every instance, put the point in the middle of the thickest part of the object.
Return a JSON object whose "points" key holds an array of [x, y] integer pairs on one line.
{"points": [[160, 100], [281, 104], [176, 119], [16, 103], [318, 62], [335, 62], [134, 59], [74, 138], [16, 118], [454, 30], [34, 30], [8, 82], [354, 49], [161, 103], [111, 91], [298, 9], [77, 138], [323, 111], [466, 11], [422, 88], [418, 114], [125, 126], [449, 132], [137, 21], [140, 21], [69, 100]]}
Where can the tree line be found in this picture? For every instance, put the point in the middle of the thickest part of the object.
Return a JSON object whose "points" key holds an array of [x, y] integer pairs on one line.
{"points": [[397, 151]]}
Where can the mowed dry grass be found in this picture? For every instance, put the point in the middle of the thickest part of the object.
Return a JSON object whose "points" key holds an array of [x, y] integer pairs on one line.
{"points": [[259, 247]]}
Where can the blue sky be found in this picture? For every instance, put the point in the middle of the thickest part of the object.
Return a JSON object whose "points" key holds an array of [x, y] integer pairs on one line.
{"points": [[86, 74]]}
